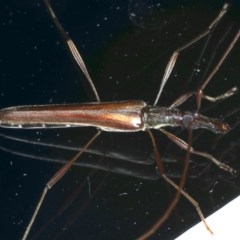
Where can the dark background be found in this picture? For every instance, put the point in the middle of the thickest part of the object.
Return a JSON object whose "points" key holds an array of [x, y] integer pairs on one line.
{"points": [[126, 56]]}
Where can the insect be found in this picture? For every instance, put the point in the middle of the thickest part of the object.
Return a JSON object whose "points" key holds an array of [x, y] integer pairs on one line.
{"points": [[9, 122]]}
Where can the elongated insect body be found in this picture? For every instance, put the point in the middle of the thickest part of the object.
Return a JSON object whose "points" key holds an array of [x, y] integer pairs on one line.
{"points": [[127, 116], [114, 116]]}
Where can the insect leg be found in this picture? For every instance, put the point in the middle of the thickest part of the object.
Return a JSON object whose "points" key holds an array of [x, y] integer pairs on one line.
{"points": [[58, 175], [186, 146], [199, 93], [179, 189], [174, 57], [216, 68], [180, 100], [72, 48]]}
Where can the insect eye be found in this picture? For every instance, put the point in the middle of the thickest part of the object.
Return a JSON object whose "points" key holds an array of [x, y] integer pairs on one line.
{"points": [[187, 120]]}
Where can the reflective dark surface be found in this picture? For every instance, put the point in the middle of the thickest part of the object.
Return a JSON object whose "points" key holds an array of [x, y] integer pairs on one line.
{"points": [[126, 49]]}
